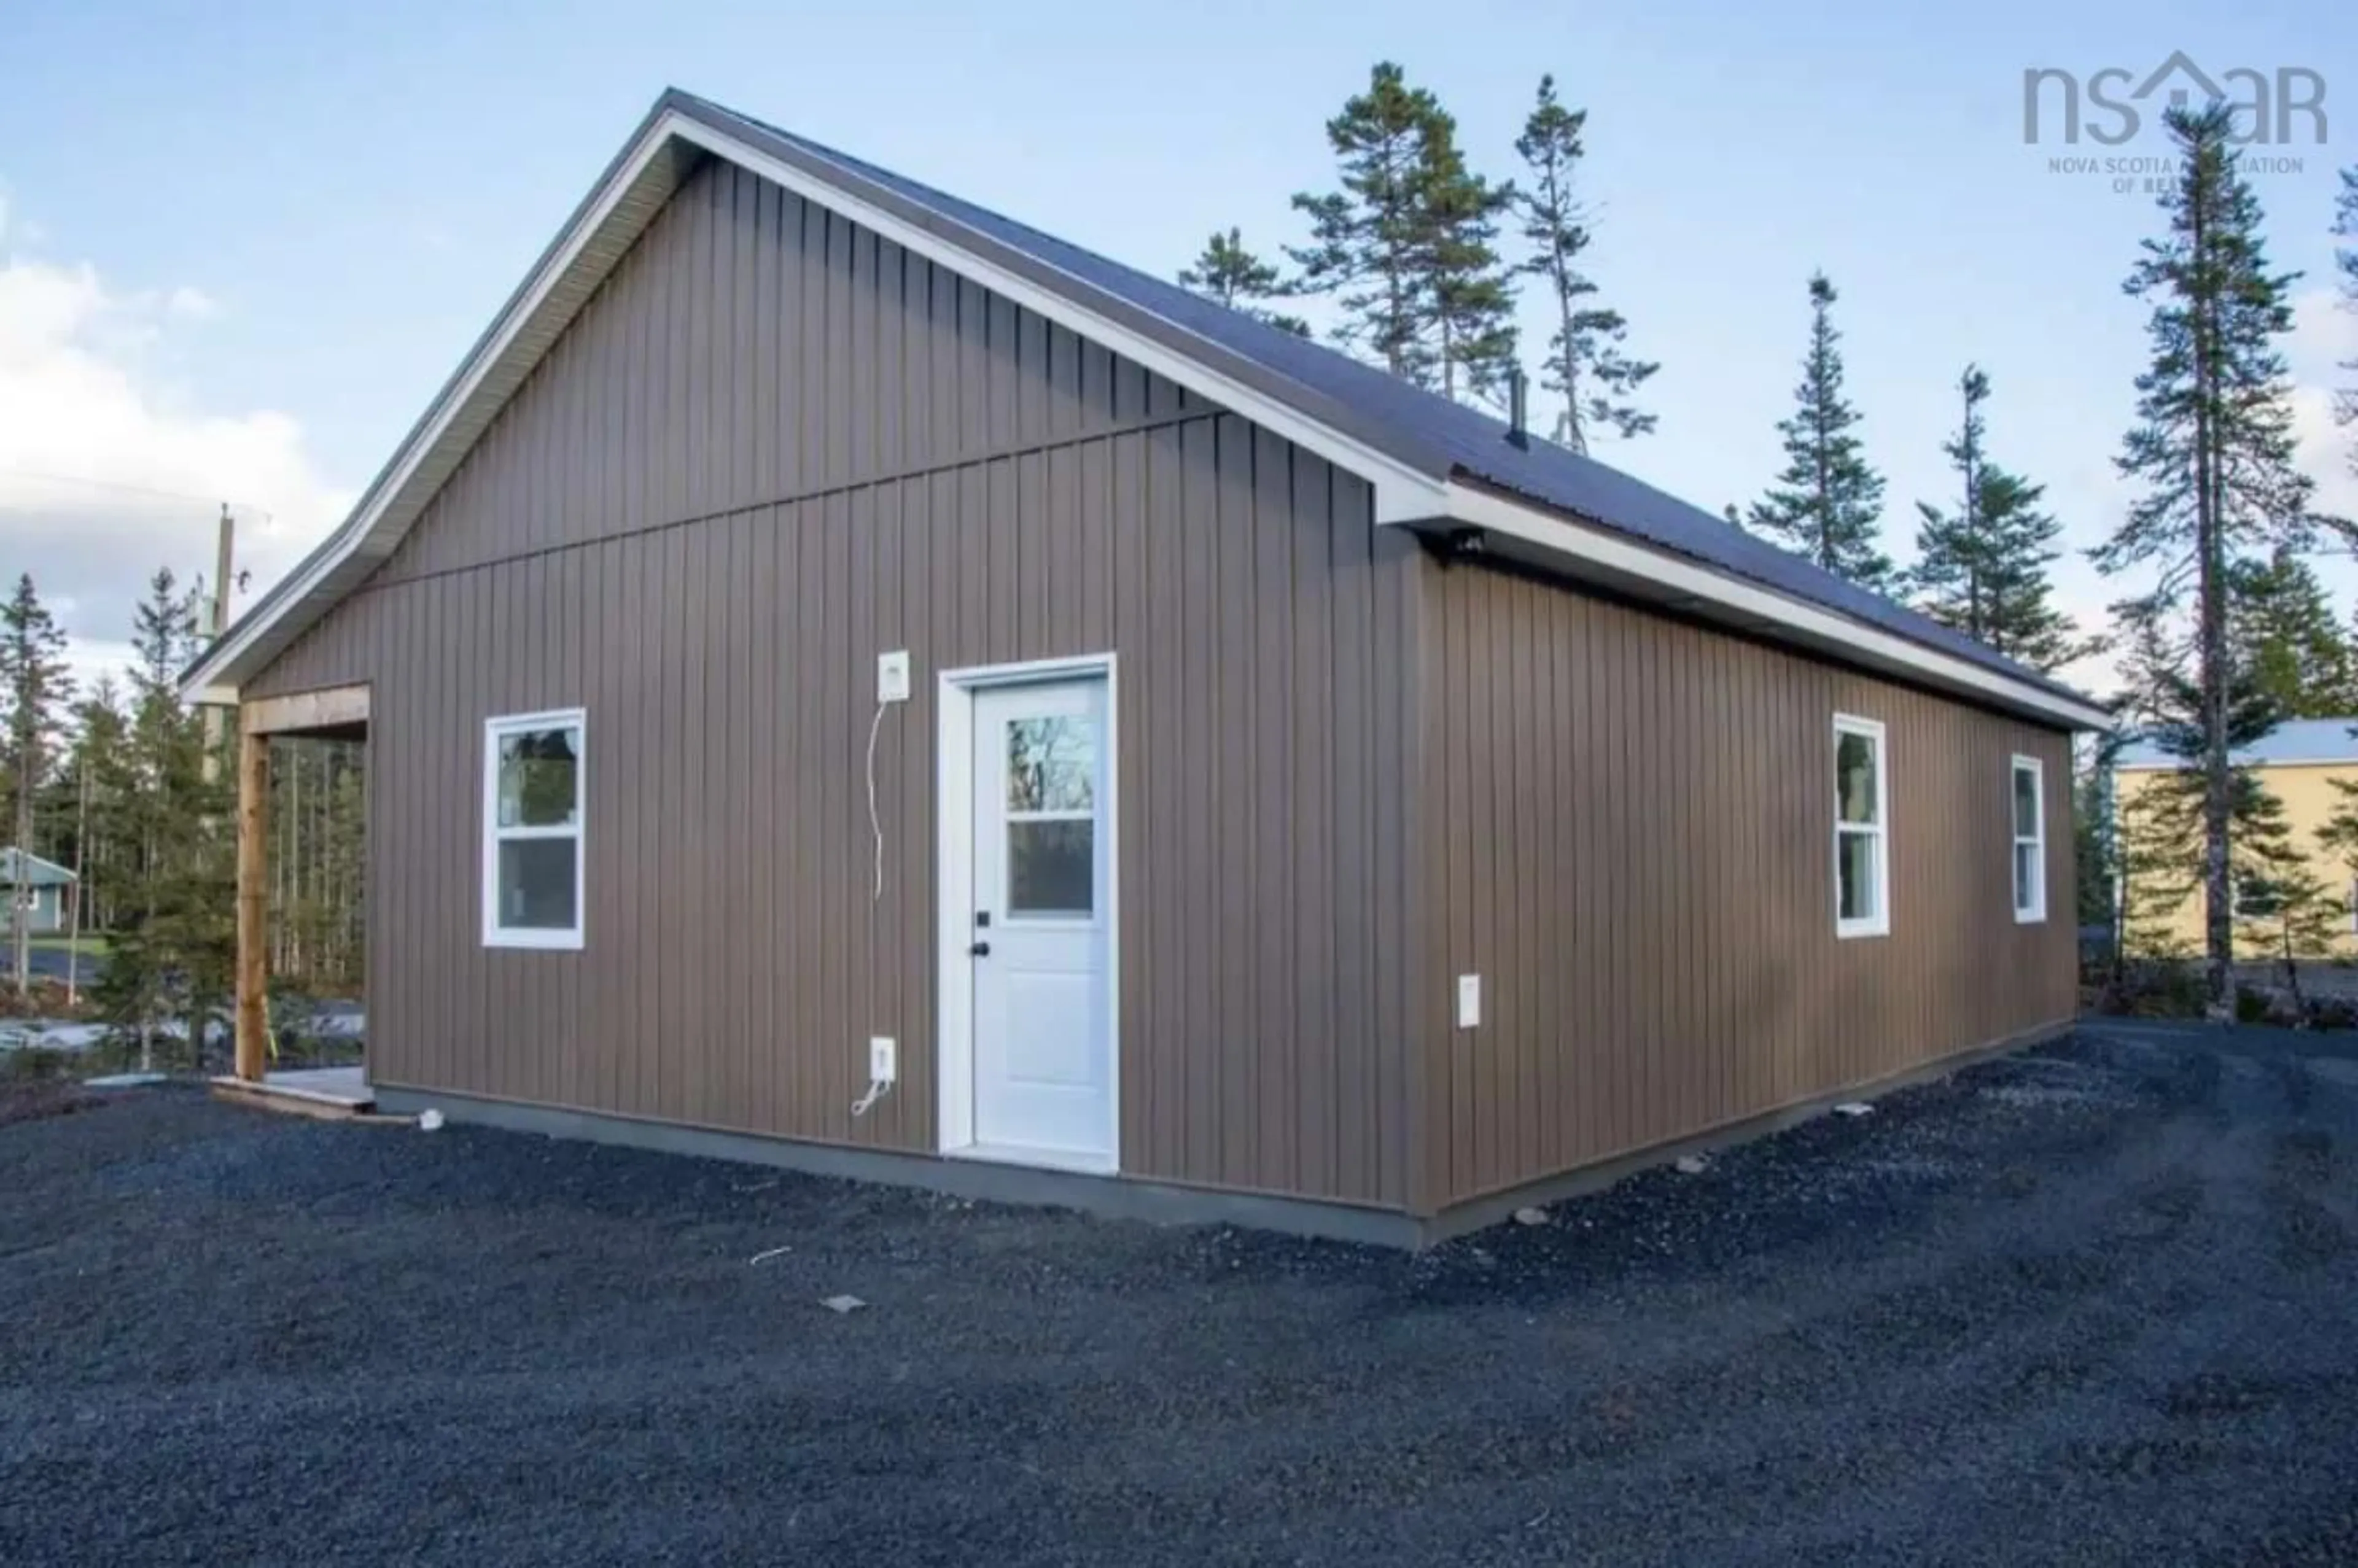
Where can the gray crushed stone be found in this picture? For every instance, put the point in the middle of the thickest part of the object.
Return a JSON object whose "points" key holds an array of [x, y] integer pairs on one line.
{"points": [[2095, 1305]]}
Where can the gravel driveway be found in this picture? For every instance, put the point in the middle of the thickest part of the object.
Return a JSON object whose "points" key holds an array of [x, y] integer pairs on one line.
{"points": [[2095, 1305]]}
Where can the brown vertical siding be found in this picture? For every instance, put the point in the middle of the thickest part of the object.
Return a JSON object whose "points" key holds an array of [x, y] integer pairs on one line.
{"points": [[1631, 829], [770, 447]]}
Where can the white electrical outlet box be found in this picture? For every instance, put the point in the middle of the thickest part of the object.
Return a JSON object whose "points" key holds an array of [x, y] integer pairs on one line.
{"points": [[883, 1062], [892, 675], [1469, 1001]]}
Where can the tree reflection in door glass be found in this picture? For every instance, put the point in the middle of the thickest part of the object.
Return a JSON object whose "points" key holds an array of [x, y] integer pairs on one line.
{"points": [[1052, 764]]}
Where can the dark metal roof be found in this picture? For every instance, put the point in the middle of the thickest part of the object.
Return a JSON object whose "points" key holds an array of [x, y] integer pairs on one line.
{"points": [[1406, 422]]}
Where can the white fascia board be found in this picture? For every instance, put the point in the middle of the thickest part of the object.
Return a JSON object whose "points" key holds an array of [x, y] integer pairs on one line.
{"points": [[217, 673], [1402, 494], [1735, 597]]}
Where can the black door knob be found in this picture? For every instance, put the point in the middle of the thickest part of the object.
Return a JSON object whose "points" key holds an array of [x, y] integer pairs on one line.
{"points": [[980, 950]]}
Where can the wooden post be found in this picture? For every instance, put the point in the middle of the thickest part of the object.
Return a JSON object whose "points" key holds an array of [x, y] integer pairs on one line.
{"points": [[253, 903]]}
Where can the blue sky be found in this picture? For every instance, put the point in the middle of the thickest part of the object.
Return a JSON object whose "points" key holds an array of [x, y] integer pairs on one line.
{"points": [[240, 245]]}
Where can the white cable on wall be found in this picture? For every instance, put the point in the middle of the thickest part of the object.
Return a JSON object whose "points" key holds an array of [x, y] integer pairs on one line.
{"points": [[875, 822]]}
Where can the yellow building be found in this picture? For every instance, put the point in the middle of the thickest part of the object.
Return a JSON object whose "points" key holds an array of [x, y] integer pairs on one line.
{"points": [[2299, 762]]}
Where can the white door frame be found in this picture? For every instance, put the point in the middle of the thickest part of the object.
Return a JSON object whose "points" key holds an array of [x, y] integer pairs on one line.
{"points": [[954, 899]]}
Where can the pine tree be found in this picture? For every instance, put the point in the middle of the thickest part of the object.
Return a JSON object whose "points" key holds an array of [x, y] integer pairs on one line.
{"points": [[1984, 567], [1233, 275], [1369, 238], [1585, 363], [2285, 633], [2213, 449], [1472, 289], [1828, 506], [35, 689]]}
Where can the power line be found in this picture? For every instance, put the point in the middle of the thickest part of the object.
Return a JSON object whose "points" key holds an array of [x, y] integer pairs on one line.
{"points": [[242, 506]]}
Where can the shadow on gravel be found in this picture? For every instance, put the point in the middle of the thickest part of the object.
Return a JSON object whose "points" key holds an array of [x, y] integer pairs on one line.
{"points": [[2092, 1304]]}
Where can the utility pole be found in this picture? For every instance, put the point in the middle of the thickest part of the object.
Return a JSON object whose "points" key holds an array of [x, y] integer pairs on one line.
{"points": [[217, 623], [81, 872]]}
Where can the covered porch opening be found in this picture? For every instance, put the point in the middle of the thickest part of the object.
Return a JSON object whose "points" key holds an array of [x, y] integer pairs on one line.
{"points": [[301, 873]]}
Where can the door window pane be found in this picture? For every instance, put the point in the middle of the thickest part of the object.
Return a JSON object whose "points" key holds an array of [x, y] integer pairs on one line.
{"points": [[1052, 867], [1052, 764], [537, 779], [537, 883]]}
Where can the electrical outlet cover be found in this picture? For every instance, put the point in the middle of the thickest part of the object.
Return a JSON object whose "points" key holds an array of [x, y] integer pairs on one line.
{"points": [[883, 1063], [892, 677]]}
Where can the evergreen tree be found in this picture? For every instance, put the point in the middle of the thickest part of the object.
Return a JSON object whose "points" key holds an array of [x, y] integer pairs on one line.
{"points": [[1370, 238], [2345, 261], [1236, 277], [1984, 567], [34, 690], [1828, 503], [1471, 288], [97, 783], [2160, 845], [2282, 907], [174, 943], [2213, 449], [1585, 363], [2285, 633]]}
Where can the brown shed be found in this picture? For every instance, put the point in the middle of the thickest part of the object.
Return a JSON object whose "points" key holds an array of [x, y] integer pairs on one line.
{"points": [[852, 681]]}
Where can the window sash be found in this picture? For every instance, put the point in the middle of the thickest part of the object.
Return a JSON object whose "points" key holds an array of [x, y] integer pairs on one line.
{"points": [[1876, 831], [2030, 892], [497, 933]]}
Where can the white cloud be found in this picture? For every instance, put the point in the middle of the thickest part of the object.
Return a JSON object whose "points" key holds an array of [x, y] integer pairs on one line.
{"points": [[108, 469], [2325, 340], [190, 304]]}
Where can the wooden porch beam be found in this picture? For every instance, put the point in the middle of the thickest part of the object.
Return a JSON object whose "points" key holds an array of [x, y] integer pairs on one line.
{"points": [[253, 902], [328, 708]]}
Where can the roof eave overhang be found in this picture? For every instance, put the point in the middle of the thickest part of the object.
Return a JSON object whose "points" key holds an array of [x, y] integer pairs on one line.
{"points": [[1410, 487], [679, 134], [1553, 541]]}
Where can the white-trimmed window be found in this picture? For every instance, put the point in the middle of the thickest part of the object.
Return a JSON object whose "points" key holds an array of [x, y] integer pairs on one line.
{"points": [[1862, 829], [533, 789], [2029, 808]]}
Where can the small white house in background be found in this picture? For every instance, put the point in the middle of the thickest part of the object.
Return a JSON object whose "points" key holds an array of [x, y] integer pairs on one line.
{"points": [[42, 885]]}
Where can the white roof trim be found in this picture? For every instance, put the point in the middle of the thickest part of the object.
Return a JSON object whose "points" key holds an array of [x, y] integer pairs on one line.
{"points": [[1666, 579], [635, 190], [601, 232]]}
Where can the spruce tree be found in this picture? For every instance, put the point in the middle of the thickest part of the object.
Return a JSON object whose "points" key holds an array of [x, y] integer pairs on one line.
{"points": [[1471, 288], [2282, 907], [2285, 634], [1232, 275], [174, 943], [2160, 844], [1828, 503], [1370, 239], [34, 690], [2213, 449], [2345, 262], [1585, 363], [1983, 567]]}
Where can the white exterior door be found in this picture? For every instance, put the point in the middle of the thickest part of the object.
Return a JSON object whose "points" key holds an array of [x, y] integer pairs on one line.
{"points": [[1043, 1057]]}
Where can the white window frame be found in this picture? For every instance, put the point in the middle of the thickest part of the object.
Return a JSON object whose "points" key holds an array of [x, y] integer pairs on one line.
{"points": [[2035, 913], [1872, 731], [563, 938]]}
